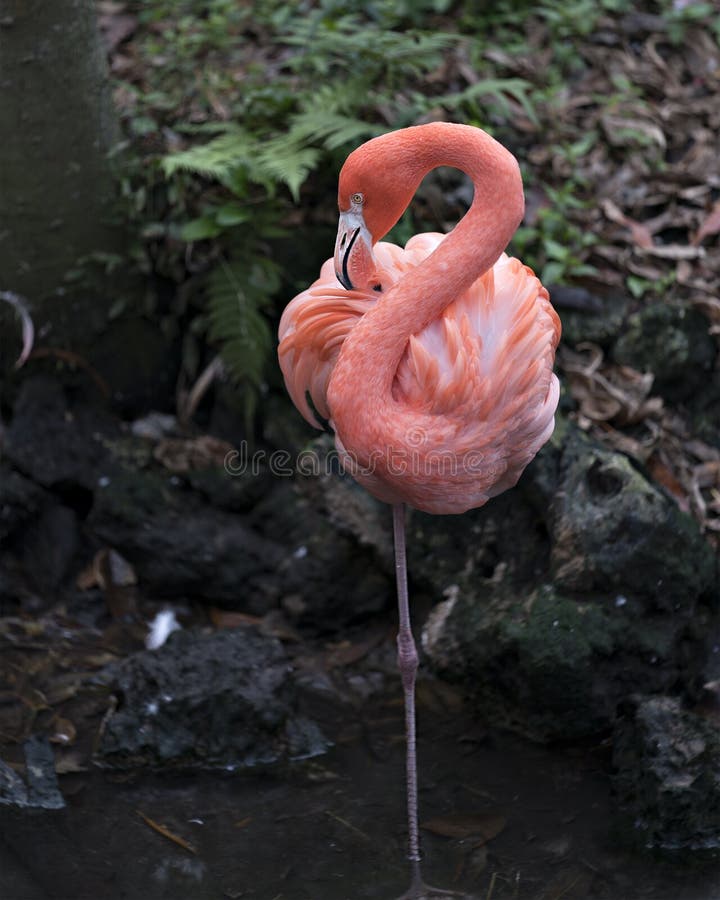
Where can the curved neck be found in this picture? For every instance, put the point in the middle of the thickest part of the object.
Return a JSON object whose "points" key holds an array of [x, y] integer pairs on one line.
{"points": [[469, 250]]}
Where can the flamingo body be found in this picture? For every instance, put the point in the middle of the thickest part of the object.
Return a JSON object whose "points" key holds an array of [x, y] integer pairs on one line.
{"points": [[439, 386], [432, 363]]}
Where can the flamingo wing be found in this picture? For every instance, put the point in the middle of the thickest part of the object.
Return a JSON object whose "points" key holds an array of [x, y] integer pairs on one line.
{"points": [[315, 324]]}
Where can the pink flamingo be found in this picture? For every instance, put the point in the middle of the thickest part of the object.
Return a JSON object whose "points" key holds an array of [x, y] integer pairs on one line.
{"points": [[433, 363]]}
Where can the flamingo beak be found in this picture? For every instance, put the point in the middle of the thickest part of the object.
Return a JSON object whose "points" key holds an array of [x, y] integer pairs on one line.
{"points": [[354, 261]]}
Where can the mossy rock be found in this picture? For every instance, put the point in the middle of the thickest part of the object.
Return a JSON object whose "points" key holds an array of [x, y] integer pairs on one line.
{"points": [[672, 342], [628, 587], [613, 530], [587, 317]]}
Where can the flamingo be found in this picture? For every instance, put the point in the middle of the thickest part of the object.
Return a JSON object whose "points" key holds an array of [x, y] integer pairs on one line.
{"points": [[433, 363]]}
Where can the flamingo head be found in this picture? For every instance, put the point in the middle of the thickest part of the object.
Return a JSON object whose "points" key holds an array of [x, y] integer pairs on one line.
{"points": [[377, 183], [355, 265]]}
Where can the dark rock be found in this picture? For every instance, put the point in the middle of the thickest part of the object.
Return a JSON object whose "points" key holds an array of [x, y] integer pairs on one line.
{"points": [[266, 542], [20, 500], [55, 443], [49, 545], [626, 595], [673, 343], [13, 790], [218, 700], [545, 664], [613, 530], [38, 538], [237, 488], [328, 578], [41, 790], [180, 546], [587, 317], [667, 780]]}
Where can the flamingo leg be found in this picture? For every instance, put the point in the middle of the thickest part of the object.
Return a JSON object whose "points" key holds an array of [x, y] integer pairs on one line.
{"points": [[408, 665]]}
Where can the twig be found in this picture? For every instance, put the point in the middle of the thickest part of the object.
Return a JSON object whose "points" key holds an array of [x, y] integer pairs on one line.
{"points": [[28, 328], [189, 404], [165, 832]]}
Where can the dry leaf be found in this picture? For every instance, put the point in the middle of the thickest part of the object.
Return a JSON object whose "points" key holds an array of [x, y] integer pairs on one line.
{"points": [[223, 618], [640, 234], [711, 225], [64, 732], [464, 825], [181, 455]]}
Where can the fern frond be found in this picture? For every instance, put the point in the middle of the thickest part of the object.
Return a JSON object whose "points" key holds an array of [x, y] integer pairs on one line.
{"points": [[348, 38], [238, 294], [280, 159], [324, 119], [216, 159], [498, 89]]}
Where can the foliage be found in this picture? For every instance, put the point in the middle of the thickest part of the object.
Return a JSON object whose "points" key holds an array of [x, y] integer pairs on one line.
{"points": [[553, 246], [238, 295], [345, 77], [253, 107]]}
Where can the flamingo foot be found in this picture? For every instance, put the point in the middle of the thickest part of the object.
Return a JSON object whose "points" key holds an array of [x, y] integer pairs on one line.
{"points": [[422, 891], [418, 890]]}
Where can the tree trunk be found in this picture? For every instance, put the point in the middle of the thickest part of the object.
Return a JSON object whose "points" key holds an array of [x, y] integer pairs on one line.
{"points": [[57, 124]]}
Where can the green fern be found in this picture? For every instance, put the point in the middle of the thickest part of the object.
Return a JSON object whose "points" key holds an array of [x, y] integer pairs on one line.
{"points": [[497, 90], [218, 158], [329, 45], [239, 294], [235, 155]]}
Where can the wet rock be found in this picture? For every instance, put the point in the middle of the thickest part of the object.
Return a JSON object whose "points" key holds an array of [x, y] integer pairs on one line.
{"points": [[41, 790], [181, 546], [667, 780], [20, 500], [237, 488], [330, 576], [208, 700], [673, 343], [54, 442], [543, 664], [614, 531], [50, 544], [13, 790], [625, 598], [38, 538]]}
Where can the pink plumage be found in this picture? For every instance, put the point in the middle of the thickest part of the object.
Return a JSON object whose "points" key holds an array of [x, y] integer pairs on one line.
{"points": [[439, 386]]}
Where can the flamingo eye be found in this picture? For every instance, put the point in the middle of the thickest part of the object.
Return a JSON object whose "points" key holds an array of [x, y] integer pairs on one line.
{"points": [[356, 198]]}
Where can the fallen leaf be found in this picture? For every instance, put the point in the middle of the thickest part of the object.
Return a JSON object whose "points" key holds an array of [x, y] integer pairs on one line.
{"points": [[64, 732], [711, 225], [640, 234], [465, 825], [223, 618], [345, 653], [182, 455]]}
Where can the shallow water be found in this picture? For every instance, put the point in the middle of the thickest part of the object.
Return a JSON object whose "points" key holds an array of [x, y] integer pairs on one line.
{"points": [[332, 828]]}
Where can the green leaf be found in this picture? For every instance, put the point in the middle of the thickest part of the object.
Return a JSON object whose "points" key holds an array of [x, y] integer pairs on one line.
{"points": [[199, 229], [231, 214]]}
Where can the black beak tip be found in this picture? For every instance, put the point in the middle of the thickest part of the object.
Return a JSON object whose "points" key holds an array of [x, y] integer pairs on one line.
{"points": [[344, 281]]}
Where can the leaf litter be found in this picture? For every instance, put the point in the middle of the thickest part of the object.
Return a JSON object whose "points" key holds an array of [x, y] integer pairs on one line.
{"points": [[647, 103]]}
